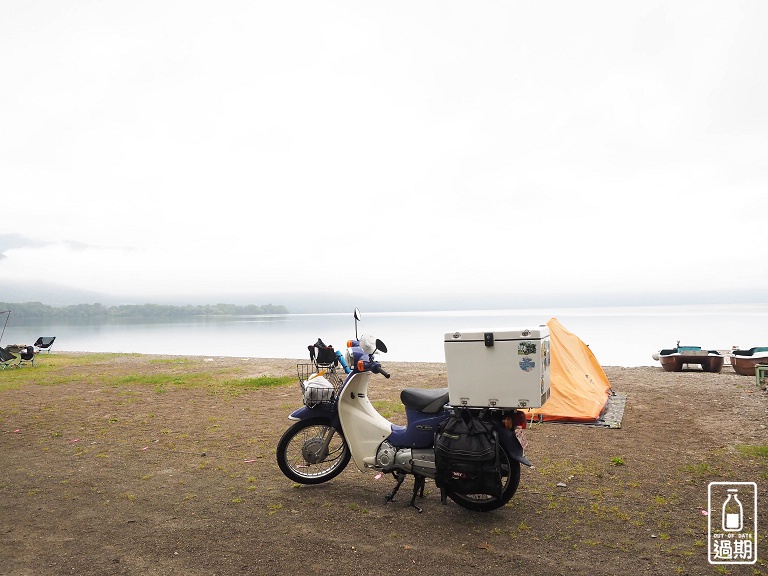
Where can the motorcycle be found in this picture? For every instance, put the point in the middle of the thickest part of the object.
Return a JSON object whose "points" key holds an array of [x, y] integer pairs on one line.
{"points": [[339, 423]]}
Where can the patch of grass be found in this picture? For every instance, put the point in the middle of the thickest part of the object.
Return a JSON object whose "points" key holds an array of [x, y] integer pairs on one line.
{"points": [[179, 360], [274, 508], [591, 542], [388, 408], [6, 384], [700, 469], [157, 380], [133, 370], [566, 470], [57, 369], [260, 382], [753, 451], [617, 461]]}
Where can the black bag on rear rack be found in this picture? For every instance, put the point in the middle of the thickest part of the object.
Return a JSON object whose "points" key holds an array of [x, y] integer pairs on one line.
{"points": [[467, 456]]}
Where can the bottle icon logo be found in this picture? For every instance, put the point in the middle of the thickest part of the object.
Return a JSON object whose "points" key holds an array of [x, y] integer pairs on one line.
{"points": [[733, 512], [732, 518]]}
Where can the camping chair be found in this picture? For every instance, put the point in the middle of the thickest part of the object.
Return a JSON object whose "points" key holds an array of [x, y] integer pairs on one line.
{"points": [[26, 354], [45, 343], [326, 356], [6, 358]]}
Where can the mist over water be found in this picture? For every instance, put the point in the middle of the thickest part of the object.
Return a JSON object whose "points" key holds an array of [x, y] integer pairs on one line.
{"points": [[622, 336]]}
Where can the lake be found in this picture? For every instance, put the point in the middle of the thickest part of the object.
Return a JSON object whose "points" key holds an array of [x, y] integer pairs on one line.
{"points": [[618, 336]]}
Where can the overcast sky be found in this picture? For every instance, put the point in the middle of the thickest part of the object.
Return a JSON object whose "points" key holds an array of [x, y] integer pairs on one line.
{"points": [[209, 151]]}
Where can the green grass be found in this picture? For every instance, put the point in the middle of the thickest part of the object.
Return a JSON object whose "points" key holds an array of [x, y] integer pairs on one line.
{"points": [[134, 370], [261, 382], [179, 360], [753, 451], [388, 408], [156, 379], [7, 384], [699, 469]]}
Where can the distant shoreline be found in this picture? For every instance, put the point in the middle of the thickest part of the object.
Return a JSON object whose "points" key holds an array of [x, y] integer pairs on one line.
{"points": [[37, 311]]}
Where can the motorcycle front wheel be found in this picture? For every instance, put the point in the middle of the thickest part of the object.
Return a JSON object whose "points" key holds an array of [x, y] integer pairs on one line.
{"points": [[302, 454], [510, 479]]}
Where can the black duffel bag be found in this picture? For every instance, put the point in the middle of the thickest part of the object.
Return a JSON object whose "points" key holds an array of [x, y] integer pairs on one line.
{"points": [[467, 456]]}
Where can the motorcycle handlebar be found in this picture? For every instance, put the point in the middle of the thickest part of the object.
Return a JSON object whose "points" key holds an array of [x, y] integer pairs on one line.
{"points": [[377, 369]]}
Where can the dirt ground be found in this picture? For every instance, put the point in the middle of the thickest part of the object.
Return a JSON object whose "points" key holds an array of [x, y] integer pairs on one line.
{"points": [[178, 480]]}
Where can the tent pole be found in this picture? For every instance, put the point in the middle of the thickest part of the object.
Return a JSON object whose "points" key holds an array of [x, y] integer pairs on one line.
{"points": [[6, 322]]}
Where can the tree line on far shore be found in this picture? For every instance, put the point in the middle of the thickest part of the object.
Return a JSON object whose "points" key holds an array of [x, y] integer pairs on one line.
{"points": [[39, 311]]}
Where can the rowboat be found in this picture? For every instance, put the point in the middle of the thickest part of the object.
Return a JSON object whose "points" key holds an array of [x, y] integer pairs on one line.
{"points": [[744, 361], [673, 359]]}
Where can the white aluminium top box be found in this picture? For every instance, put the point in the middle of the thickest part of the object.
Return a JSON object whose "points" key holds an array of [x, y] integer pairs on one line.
{"points": [[475, 335], [507, 368]]}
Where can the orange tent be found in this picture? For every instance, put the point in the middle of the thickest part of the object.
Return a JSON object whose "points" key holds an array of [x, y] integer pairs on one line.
{"points": [[579, 388]]}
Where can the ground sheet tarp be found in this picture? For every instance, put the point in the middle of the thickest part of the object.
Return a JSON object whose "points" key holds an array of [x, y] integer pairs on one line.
{"points": [[579, 389]]}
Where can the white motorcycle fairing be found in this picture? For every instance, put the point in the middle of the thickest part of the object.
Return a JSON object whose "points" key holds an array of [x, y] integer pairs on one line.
{"points": [[364, 428]]}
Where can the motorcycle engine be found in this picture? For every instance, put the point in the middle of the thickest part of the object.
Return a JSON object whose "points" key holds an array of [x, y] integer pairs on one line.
{"points": [[389, 458]]}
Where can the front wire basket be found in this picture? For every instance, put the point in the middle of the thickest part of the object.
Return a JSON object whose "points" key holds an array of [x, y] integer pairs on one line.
{"points": [[327, 371]]}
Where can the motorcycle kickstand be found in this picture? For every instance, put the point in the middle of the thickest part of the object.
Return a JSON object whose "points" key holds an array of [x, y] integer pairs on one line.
{"points": [[418, 490], [391, 496]]}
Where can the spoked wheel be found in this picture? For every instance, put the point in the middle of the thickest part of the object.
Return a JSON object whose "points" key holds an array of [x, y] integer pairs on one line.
{"points": [[510, 479], [312, 451]]}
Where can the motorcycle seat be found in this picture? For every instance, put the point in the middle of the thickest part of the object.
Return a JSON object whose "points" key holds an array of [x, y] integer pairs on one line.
{"points": [[429, 401]]}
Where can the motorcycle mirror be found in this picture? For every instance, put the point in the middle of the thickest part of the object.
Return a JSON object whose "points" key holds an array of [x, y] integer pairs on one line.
{"points": [[358, 317], [380, 346]]}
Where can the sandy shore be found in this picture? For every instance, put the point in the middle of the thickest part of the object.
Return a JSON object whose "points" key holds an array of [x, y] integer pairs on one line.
{"points": [[121, 466]]}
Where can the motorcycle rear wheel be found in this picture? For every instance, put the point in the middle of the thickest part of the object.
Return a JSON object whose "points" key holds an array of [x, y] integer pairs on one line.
{"points": [[510, 479], [299, 452]]}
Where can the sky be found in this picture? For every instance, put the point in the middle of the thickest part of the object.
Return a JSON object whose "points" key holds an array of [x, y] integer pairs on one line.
{"points": [[429, 153]]}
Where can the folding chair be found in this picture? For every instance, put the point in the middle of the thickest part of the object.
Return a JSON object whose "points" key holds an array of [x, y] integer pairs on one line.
{"points": [[45, 343], [26, 354], [6, 358]]}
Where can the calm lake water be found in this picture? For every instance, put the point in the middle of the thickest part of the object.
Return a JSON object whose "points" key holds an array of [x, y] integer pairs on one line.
{"points": [[626, 336]]}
